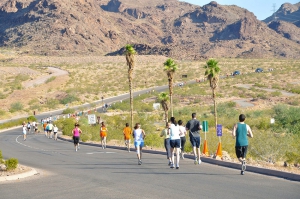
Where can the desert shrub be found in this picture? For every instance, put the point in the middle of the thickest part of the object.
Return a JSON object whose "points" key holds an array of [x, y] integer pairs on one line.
{"points": [[295, 90], [12, 123], [287, 118], [276, 94], [52, 103], [50, 79], [66, 125], [17, 106], [11, 163], [1, 157], [2, 95], [31, 118], [153, 140], [69, 99], [68, 110]]}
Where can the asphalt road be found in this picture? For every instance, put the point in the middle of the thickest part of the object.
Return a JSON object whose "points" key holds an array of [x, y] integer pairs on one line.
{"points": [[93, 172]]}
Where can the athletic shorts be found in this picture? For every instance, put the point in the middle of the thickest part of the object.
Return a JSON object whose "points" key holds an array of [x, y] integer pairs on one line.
{"points": [[195, 141], [24, 132], [241, 151], [76, 139], [175, 143], [138, 143]]}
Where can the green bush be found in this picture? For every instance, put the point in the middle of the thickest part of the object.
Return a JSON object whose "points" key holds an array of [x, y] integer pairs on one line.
{"points": [[11, 163], [31, 118], [69, 99], [68, 110], [1, 157], [17, 106], [50, 79]]}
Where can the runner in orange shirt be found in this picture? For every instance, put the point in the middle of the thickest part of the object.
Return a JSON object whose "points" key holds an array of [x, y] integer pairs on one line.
{"points": [[127, 133], [103, 135]]}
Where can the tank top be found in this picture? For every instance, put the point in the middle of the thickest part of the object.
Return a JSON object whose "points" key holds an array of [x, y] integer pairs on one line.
{"points": [[138, 135], [241, 135], [174, 134], [76, 132]]}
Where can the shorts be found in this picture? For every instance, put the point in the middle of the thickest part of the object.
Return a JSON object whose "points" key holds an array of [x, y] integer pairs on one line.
{"points": [[49, 131], [28, 128], [195, 141], [24, 132], [76, 139], [241, 151], [54, 132], [103, 134], [139, 143], [175, 143]]}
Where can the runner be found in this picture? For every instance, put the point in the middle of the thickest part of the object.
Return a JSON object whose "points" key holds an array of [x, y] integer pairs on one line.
{"points": [[24, 131], [139, 136], [76, 135], [103, 135], [49, 129], [166, 134], [241, 131], [55, 130], [33, 126], [194, 127], [127, 132], [28, 126], [44, 126], [182, 133], [174, 142]]}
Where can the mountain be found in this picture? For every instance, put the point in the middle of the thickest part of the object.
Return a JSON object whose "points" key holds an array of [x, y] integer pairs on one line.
{"points": [[164, 27], [287, 12]]}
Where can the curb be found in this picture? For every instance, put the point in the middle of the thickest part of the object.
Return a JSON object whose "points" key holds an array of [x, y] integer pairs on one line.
{"points": [[18, 176], [264, 171]]}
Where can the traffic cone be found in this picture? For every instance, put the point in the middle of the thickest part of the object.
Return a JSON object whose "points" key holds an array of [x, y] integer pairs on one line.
{"points": [[205, 148], [219, 151]]}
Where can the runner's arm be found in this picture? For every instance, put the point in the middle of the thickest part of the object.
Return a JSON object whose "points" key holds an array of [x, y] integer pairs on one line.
{"points": [[234, 130], [249, 132]]}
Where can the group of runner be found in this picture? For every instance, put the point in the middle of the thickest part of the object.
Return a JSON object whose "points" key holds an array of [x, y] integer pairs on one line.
{"points": [[49, 128]]}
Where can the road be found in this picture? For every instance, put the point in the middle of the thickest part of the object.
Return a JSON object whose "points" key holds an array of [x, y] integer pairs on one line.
{"points": [[93, 172]]}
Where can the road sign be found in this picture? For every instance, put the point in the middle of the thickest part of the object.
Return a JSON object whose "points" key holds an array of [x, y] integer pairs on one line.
{"points": [[219, 130], [92, 119], [205, 126]]}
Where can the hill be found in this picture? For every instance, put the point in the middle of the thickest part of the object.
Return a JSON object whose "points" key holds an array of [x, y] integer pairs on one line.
{"points": [[163, 27]]}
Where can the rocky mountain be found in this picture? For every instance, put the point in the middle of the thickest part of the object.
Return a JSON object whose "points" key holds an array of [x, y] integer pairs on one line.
{"points": [[164, 27], [287, 12]]}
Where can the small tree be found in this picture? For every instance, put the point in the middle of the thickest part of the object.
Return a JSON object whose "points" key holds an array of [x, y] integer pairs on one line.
{"points": [[170, 68], [130, 53], [212, 73], [163, 99]]}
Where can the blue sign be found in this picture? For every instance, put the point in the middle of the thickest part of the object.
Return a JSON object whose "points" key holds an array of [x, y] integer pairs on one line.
{"points": [[219, 130]]}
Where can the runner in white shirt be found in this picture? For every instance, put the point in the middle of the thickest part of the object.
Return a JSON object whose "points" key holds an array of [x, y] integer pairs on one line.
{"points": [[24, 131], [139, 136], [182, 133], [174, 142]]}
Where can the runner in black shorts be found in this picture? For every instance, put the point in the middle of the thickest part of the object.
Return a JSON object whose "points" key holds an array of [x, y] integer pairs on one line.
{"points": [[241, 131]]}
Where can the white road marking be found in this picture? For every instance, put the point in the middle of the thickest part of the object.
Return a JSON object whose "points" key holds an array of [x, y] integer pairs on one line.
{"points": [[91, 153]]}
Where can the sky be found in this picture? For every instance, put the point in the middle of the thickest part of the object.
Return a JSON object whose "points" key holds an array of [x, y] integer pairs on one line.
{"points": [[261, 8]]}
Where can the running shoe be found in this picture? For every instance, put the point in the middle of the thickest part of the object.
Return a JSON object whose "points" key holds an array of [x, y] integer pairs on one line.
{"points": [[242, 172], [139, 162], [244, 165], [183, 156], [177, 167], [199, 161], [169, 164], [172, 166], [196, 161]]}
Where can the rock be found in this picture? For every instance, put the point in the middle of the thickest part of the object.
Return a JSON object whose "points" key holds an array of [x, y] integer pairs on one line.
{"points": [[2, 167]]}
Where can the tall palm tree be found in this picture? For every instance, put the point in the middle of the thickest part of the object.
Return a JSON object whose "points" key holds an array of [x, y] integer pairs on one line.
{"points": [[212, 73], [170, 68], [164, 100], [130, 59]]}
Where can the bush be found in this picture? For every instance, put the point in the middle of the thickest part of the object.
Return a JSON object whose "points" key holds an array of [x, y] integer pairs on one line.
{"points": [[15, 107], [68, 110], [50, 79], [11, 163], [69, 99], [31, 118], [1, 157]]}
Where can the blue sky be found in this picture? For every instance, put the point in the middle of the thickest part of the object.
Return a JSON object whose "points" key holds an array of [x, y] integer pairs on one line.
{"points": [[261, 8]]}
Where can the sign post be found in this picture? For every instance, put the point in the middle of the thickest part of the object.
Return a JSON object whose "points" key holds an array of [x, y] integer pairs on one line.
{"points": [[205, 130], [219, 134], [92, 119]]}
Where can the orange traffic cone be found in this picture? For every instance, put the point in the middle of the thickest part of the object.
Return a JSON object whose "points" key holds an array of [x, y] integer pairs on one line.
{"points": [[219, 151], [205, 148]]}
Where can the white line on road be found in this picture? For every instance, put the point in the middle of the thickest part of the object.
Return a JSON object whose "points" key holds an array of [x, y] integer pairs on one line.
{"points": [[91, 153]]}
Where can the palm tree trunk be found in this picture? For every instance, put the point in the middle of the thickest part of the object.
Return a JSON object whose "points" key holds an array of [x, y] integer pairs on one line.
{"points": [[171, 95], [215, 108], [166, 116], [131, 99]]}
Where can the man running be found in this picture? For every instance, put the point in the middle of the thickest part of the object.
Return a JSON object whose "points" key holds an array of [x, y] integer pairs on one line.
{"points": [[241, 131], [127, 133], [194, 127]]}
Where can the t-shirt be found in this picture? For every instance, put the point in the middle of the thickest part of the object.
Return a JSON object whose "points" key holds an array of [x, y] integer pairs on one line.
{"points": [[193, 126], [127, 132], [174, 133], [24, 129], [241, 134], [138, 135], [182, 130], [55, 129], [165, 134]]}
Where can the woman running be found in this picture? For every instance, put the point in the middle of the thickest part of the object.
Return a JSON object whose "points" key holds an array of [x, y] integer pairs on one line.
{"points": [[103, 135], [166, 134], [139, 136], [76, 135], [24, 131], [174, 142], [182, 133]]}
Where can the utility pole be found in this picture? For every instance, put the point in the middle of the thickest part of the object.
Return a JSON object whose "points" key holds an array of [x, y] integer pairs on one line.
{"points": [[274, 12]]}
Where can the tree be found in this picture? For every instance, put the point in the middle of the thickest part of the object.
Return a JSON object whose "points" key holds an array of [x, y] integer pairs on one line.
{"points": [[212, 73], [170, 68], [130, 53], [164, 99]]}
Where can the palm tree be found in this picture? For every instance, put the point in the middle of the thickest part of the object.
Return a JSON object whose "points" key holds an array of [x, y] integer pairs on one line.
{"points": [[164, 99], [170, 68], [212, 73], [129, 53]]}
